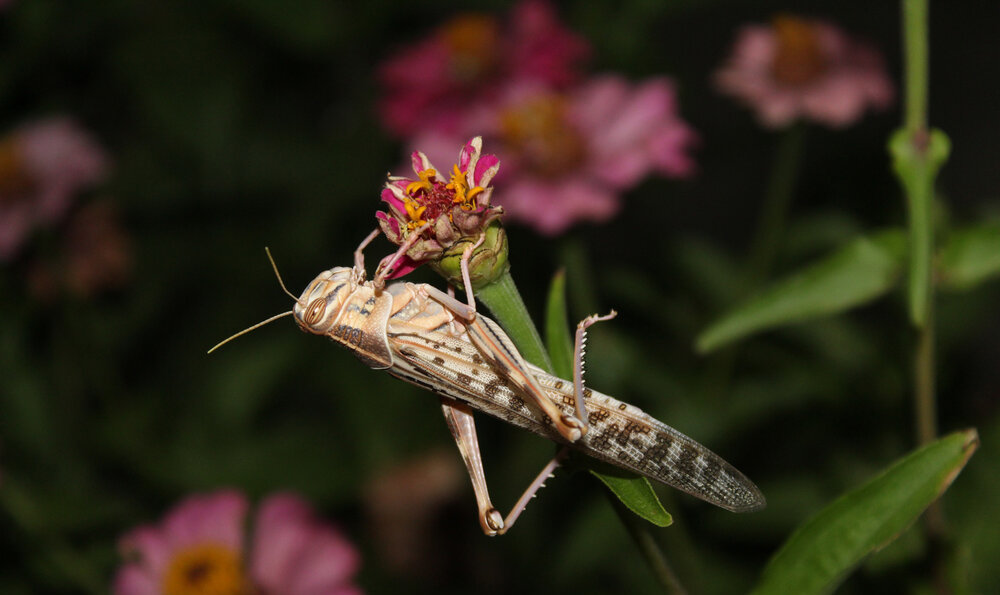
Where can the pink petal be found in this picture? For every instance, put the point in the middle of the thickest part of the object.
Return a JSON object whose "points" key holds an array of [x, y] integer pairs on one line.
{"points": [[669, 150], [854, 79], [149, 545], [132, 579], [597, 100], [539, 47], [470, 153], [551, 207], [294, 553], [389, 224], [486, 169], [390, 196], [403, 266], [328, 562], [215, 518], [63, 159]]}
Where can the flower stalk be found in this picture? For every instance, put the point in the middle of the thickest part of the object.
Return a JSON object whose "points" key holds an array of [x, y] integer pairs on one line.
{"points": [[918, 153]]}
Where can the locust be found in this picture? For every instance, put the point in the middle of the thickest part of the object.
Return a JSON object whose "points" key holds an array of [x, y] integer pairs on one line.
{"points": [[428, 338]]}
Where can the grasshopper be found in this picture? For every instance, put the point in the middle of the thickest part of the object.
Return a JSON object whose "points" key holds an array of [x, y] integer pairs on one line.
{"points": [[427, 337]]}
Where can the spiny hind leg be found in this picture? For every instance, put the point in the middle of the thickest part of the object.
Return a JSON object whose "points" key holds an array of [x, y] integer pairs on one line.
{"points": [[579, 350], [463, 429]]}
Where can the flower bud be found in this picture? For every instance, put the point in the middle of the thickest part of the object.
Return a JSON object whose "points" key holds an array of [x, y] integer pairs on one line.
{"points": [[487, 263]]}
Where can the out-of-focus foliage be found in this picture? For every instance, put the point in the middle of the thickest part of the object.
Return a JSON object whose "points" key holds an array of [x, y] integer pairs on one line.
{"points": [[817, 557], [231, 126]]}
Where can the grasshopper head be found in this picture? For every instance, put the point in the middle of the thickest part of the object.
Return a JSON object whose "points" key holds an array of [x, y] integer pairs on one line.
{"points": [[318, 306]]}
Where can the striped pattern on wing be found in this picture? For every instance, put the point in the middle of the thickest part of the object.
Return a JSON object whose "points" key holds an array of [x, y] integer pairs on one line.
{"points": [[620, 434]]}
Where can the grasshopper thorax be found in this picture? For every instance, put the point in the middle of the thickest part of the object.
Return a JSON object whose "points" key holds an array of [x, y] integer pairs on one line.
{"points": [[321, 302]]}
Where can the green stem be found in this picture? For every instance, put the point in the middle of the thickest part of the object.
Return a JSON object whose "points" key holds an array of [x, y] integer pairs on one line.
{"points": [[918, 182], [778, 198], [650, 550], [764, 245], [918, 153], [915, 56], [504, 301]]}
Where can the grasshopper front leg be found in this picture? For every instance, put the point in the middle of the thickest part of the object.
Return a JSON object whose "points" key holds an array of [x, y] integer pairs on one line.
{"points": [[463, 429], [494, 344]]}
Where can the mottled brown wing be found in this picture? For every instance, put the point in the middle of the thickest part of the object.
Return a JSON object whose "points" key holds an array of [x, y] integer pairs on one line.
{"points": [[624, 435], [620, 434]]}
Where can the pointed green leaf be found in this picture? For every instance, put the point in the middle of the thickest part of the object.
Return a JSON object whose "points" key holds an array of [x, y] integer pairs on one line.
{"points": [[821, 552], [916, 167], [970, 256], [557, 334], [860, 271], [633, 491]]}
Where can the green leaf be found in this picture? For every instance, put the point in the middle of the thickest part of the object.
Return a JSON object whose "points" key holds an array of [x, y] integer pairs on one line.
{"points": [[970, 256], [821, 552], [557, 334], [916, 162], [859, 272], [633, 491]]}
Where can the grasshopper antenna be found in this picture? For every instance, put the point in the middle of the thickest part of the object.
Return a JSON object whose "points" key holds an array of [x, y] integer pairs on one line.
{"points": [[278, 275], [271, 319], [254, 327]]}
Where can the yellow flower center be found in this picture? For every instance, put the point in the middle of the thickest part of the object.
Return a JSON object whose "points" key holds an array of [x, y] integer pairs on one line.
{"points": [[424, 184], [472, 40], [464, 196], [799, 58], [540, 134], [206, 569]]}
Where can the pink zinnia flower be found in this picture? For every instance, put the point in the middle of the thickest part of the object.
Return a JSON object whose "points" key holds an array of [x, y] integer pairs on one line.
{"points": [[439, 208], [201, 547], [568, 156], [430, 82], [810, 69], [42, 167]]}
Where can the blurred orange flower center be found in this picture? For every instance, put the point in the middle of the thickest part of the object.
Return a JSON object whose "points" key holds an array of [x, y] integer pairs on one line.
{"points": [[206, 569], [539, 132], [799, 58], [472, 42], [14, 180]]}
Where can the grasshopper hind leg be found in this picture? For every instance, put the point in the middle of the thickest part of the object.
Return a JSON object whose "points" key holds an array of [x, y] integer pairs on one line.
{"points": [[579, 350], [463, 429]]}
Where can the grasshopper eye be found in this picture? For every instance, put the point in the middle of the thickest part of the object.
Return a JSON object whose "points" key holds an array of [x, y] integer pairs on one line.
{"points": [[315, 312]]}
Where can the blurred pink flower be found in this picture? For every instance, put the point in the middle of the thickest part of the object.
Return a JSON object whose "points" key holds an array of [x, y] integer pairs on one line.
{"points": [[95, 255], [199, 549], [428, 83], [569, 155], [42, 167], [800, 68], [403, 502]]}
